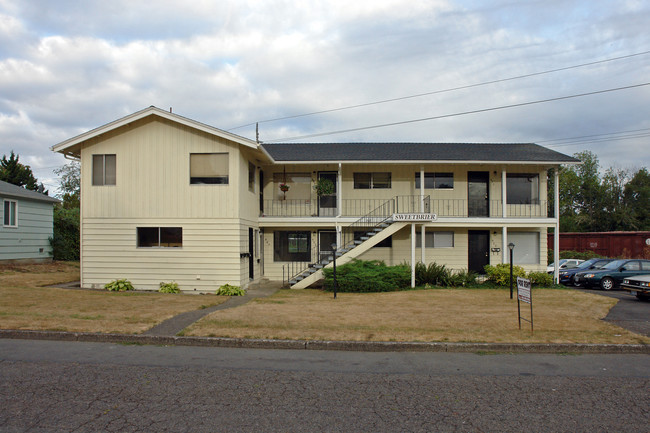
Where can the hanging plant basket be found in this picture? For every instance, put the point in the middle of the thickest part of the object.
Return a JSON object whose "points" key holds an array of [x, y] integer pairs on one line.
{"points": [[284, 187], [324, 187]]}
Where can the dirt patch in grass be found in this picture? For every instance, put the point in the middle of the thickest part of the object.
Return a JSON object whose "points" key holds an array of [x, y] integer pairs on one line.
{"points": [[448, 315], [26, 304]]}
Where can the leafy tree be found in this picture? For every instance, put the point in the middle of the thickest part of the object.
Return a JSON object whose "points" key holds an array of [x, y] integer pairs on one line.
{"points": [[69, 184], [636, 195], [12, 171], [65, 241]]}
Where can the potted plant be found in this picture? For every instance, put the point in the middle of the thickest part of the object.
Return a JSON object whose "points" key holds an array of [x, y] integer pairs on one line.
{"points": [[324, 187], [284, 187]]}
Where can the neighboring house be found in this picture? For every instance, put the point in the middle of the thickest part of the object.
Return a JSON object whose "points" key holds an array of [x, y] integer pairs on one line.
{"points": [[26, 224], [168, 198]]}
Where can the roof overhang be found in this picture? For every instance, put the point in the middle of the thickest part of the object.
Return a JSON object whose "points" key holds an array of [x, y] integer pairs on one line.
{"points": [[72, 146], [429, 161]]}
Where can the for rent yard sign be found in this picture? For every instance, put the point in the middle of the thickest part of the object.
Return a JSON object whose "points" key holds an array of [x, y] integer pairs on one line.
{"points": [[524, 294]]}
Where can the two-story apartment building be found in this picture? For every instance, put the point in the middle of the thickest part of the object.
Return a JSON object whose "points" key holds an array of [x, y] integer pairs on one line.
{"points": [[167, 198]]}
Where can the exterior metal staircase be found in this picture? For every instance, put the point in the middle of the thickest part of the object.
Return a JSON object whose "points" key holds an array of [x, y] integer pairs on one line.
{"points": [[358, 238]]}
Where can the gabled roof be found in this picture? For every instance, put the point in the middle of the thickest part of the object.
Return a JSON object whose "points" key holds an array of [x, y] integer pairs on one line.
{"points": [[72, 145], [13, 191], [528, 153]]}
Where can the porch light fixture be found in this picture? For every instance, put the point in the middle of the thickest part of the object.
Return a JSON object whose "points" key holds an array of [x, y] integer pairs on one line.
{"points": [[511, 247]]}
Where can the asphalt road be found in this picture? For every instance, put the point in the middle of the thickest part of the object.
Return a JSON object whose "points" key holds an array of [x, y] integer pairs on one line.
{"points": [[50, 386]]}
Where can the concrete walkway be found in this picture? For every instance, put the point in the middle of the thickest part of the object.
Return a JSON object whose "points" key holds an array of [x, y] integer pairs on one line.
{"points": [[176, 324]]}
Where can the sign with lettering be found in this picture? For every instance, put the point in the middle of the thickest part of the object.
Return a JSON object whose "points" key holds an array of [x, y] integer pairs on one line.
{"points": [[415, 217], [523, 290]]}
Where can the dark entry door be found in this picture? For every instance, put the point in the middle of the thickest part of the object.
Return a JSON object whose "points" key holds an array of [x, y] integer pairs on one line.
{"points": [[325, 240], [327, 203], [251, 252], [477, 193], [478, 250]]}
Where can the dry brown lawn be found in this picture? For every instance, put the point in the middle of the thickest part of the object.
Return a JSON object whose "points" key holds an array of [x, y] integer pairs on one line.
{"points": [[26, 304], [451, 315]]}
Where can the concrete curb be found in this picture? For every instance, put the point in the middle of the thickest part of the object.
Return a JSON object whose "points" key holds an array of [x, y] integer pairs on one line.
{"points": [[358, 346]]}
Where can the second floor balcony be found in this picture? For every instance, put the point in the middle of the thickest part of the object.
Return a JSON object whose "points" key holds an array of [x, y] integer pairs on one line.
{"points": [[451, 208]]}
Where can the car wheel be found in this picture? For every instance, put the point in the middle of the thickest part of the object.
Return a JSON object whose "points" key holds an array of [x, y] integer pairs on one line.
{"points": [[642, 297], [607, 283]]}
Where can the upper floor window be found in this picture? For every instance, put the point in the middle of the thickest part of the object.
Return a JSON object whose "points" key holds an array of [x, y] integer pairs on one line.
{"points": [[209, 168], [10, 213], [297, 186], [378, 180], [522, 188], [104, 169], [160, 237], [435, 180]]}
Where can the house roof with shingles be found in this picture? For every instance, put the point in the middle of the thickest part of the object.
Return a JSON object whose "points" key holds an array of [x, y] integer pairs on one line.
{"points": [[396, 152], [17, 192]]}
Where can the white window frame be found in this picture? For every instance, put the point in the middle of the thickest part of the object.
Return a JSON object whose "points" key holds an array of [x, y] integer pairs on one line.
{"points": [[522, 256], [103, 181], [6, 218]]}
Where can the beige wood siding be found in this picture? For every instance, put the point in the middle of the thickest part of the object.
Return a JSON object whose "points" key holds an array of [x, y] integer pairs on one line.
{"points": [[153, 179], [208, 258]]}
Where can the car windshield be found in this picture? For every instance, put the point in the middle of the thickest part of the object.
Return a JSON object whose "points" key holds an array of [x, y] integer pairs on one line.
{"points": [[585, 265], [615, 264], [561, 262]]}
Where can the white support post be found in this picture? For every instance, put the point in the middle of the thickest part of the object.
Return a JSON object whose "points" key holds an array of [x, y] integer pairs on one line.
{"points": [[412, 255], [556, 235], [423, 243], [504, 194], [504, 245]]}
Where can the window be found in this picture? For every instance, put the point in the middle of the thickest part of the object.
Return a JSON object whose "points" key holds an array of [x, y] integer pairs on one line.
{"points": [[526, 250], [386, 243], [380, 180], [160, 237], [522, 188], [10, 213], [104, 170], [291, 246], [435, 180], [435, 239], [251, 177], [209, 168]]}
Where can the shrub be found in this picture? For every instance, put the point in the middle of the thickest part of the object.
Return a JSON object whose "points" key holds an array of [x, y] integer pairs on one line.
{"points": [[169, 287], [540, 278], [500, 274], [581, 255], [228, 290], [119, 285], [65, 239], [361, 276], [463, 278], [434, 274]]}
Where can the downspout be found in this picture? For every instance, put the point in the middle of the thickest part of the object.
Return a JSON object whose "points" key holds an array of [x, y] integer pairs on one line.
{"points": [[556, 235], [504, 214], [423, 243]]}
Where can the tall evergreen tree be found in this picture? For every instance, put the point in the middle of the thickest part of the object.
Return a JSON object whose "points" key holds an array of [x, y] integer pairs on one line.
{"points": [[12, 171]]}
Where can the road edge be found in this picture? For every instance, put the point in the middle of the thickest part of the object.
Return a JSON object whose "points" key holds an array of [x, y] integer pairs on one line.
{"points": [[358, 346]]}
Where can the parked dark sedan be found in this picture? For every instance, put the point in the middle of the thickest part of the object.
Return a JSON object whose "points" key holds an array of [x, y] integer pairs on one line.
{"points": [[566, 275], [612, 274]]}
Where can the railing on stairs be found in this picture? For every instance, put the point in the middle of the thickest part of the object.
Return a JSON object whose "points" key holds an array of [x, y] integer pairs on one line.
{"points": [[358, 232]]}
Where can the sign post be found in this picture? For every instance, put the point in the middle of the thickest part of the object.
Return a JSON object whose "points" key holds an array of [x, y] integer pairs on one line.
{"points": [[524, 294]]}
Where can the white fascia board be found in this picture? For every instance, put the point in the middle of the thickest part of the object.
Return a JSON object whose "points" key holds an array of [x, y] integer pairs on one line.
{"points": [[431, 161], [61, 147]]}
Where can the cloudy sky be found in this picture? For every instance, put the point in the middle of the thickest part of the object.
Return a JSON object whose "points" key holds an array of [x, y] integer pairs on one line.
{"points": [[67, 66]]}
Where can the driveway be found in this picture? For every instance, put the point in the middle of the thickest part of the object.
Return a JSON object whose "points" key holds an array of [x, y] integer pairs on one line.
{"points": [[630, 313]]}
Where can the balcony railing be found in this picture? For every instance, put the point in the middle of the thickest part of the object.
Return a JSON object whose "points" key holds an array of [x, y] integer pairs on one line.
{"points": [[452, 208]]}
